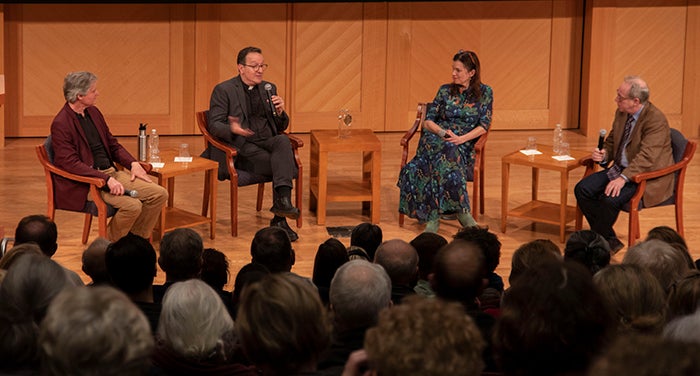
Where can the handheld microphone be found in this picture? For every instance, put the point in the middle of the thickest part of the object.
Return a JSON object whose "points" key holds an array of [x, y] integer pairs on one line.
{"points": [[127, 192], [268, 91], [601, 141]]}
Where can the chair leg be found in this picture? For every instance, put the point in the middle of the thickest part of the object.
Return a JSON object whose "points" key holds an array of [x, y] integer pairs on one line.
{"points": [[299, 195], [481, 188], [261, 192], [205, 198], [234, 207], [475, 195], [401, 218], [86, 227], [679, 219], [633, 227]]}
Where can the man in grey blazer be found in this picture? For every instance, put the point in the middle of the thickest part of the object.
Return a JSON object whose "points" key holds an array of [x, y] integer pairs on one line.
{"points": [[247, 113], [640, 141]]}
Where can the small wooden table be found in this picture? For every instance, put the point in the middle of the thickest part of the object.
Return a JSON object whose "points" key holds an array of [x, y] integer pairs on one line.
{"points": [[366, 190], [537, 210], [172, 217]]}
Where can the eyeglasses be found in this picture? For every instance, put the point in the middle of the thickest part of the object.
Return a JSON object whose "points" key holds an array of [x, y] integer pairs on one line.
{"points": [[620, 98], [257, 68]]}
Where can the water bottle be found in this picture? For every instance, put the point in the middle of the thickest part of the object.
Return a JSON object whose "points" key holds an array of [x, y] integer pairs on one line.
{"points": [[154, 151], [142, 146], [557, 140]]}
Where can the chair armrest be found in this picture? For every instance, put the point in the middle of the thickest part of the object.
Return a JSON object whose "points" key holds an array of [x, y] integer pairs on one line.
{"points": [[230, 151], [145, 165], [296, 141], [657, 173], [98, 182], [406, 139]]}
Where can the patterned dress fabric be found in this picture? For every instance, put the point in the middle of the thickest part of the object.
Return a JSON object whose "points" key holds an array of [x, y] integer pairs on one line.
{"points": [[434, 181]]}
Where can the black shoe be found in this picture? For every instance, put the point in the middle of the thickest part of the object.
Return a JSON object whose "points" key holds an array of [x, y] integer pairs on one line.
{"points": [[615, 245], [284, 208], [284, 226]]}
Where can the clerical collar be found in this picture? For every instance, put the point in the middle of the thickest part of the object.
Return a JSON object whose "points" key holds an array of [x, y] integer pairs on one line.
{"points": [[251, 87]]}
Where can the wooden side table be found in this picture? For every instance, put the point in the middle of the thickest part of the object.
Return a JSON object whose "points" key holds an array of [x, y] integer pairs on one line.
{"points": [[367, 190], [172, 217], [538, 210]]}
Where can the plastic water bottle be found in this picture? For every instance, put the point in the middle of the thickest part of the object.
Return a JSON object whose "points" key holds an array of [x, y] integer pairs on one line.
{"points": [[557, 140], [143, 145], [153, 146]]}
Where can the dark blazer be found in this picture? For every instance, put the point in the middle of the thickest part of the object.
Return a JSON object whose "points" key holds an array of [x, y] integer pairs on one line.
{"points": [[649, 149], [72, 153]]}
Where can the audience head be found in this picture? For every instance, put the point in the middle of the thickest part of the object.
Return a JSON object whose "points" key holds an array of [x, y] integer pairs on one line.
{"points": [[131, 264], [18, 251], [282, 324], [215, 270], [665, 262], [95, 331], [458, 272], [666, 234], [359, 290], [642, 355], [28, 288], [357, 253], [94, 261], [684, 328], [248, 274], [553, 322], [272, 248], [400, 260], [424, 336], [486, 241], [634, 298], [77, 83], [193, 320], [427, 245], [684, 296], [330, 256], [181, 254], [40, 230], [532, 254], [589, 249], [368, 237]]}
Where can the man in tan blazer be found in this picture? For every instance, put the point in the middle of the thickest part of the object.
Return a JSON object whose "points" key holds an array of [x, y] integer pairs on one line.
{"points": [[640, 141]]}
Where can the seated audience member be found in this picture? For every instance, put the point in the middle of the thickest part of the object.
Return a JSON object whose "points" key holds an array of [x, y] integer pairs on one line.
{"points": [[634, 298], [400, 260], [44, 232], [330, 255], [367, 236], [131, 264], [427, 337], [665, 262], [530, 255], [459, 276], [215, 273], [248, 274], [273, 249], [670, 236], [282, 325], [16, 252], [94, 262], [357, 253], [684, 328], [427, 245], [684, 297], [359, 291], [489, 244], [642, 355], [589, 249], [195, 333], [31, 283], [180, 258], [553, 322], [95, 331]]}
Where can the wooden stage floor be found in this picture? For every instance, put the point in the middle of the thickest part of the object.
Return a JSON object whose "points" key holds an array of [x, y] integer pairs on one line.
{"points": [[23, 192]]}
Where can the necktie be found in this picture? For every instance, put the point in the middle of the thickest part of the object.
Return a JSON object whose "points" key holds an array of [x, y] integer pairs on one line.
{"points": [[615, 171]]}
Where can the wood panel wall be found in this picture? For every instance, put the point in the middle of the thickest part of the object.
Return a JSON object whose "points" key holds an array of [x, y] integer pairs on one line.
{"points": [[158, 63]]}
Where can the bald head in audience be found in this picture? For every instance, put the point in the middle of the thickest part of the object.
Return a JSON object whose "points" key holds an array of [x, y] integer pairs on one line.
{"points": [[400, 260], [359, 290], [459, 272]]}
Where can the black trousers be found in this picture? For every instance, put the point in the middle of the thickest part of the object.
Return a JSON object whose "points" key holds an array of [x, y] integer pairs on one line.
{"points": [[601, 211], [272, 157]]}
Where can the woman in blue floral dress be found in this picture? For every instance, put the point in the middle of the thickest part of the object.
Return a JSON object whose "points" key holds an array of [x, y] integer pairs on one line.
{"points": [[434, 182]]}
